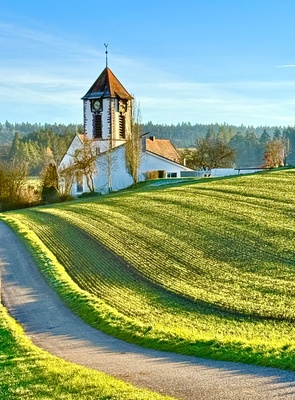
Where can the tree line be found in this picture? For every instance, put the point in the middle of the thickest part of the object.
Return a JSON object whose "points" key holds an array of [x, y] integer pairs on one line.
{"points": [[253, 147], [33, 149], [31, 142]]}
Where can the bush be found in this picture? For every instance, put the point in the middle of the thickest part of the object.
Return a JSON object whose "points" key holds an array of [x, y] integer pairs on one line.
{"points": [[88, 194], [156, 174]]}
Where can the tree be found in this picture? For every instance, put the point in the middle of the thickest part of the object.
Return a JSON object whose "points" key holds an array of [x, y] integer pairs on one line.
{"points": [[84, 161], [264, 138], [277, 133], [213, 153], [13, 176], [188, 158], [50, 184], [65, 182], [252, 149], [238, 143], [133, 147], [275, 153], [108, 162], [289, 136], [210, 134], [13, 154]]}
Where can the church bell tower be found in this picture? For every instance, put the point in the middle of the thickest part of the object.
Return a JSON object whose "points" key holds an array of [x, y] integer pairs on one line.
{"points": [[107, 111]]}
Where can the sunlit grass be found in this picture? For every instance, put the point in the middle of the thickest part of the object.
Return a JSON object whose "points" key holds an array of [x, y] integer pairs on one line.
{"points": [[27, 372], [205, 268]]}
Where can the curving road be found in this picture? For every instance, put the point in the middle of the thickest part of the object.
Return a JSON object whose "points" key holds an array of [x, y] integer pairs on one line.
{"points": [[55, 328]]}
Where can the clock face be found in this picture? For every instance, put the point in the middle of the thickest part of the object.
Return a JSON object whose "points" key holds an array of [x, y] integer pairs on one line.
{"points": [[97, 105]]}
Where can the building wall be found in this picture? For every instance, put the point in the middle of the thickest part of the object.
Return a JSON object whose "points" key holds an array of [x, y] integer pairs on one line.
{"points": [[111, 167], [68, 157], [112, 172], [152, 162]]}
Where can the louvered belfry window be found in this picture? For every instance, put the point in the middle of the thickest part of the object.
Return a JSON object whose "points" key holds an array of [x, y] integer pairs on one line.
{"points": [[97, 126], [122, 126]]}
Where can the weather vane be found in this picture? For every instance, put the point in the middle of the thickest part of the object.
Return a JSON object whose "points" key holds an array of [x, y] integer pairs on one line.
{"points": [[106, 46]]}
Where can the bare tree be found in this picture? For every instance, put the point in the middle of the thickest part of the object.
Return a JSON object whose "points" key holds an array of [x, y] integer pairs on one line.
{"points": [[133, 147], [13, 178], [84, 161], [213, 153], [107, 162], [65, 182], [275, 153]]}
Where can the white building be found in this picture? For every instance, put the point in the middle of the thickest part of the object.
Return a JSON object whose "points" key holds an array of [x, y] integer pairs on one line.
{"points": [[107, 122]]}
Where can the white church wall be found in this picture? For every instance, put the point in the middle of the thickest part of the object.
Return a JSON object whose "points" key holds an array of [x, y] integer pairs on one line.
{"points": [[112, 174], [68, 157], [152, 162]]}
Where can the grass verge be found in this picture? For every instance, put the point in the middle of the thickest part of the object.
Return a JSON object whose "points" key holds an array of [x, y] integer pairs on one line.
{"points": [[27, 372]]}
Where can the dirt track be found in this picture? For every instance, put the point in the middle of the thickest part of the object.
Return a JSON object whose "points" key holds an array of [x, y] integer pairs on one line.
{"points": [[53, 327]]}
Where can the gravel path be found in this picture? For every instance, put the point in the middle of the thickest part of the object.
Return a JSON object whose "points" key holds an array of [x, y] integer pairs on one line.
{"points": [[53, 327]]}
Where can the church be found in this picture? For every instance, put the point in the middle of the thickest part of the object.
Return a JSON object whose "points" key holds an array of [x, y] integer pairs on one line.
{"points": [[107, 109]]}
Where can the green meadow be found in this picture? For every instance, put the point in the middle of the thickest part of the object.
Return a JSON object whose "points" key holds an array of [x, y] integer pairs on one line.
{"points": [[204, 268]]}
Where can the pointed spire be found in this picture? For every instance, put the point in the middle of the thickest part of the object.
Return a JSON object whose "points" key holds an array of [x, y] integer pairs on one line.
{"points": [[106, 46], [105, 86]]}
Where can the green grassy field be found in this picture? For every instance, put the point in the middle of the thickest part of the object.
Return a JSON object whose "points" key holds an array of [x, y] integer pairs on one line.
{"points": [[30, 373], [203, 268]]}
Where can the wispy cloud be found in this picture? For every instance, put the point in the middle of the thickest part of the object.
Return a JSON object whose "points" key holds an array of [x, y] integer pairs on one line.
{"points": [[51, 73], [257, 103], [285, 66]]}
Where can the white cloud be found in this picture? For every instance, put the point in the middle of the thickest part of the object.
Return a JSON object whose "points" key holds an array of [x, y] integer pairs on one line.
{"points": [[285, 66]]}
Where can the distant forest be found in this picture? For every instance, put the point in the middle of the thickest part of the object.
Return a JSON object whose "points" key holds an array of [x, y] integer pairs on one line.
{"points": [[184, 135], [32, 143]]}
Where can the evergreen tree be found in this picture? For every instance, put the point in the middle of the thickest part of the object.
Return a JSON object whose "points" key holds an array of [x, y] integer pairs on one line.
{"points": [[277, 133], [50, 184], [264, 138], [15, 147]]}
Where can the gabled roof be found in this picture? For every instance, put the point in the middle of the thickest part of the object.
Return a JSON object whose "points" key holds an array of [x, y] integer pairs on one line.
{"points": [[163, 148], [107, 85]]}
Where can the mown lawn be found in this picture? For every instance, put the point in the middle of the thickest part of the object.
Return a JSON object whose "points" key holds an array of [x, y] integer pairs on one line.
{"points": [[27, 372], [204, 268]]}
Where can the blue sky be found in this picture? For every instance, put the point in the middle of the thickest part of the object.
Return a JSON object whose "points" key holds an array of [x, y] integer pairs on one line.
{"points": [[202, 61]]}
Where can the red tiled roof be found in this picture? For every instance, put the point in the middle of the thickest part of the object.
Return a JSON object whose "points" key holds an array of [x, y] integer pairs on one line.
{"points": [[107, 85], [163, 148]]}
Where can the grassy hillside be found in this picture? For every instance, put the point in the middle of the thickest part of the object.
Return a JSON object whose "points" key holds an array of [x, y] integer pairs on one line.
{"points": [[30, 373], [204, 268]]}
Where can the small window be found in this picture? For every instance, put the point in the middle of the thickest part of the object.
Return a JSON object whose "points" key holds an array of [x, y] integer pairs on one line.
{"points": [[171, 174]]}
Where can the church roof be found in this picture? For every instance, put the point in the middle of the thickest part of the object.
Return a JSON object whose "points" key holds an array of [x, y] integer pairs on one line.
{"points": [[107, 85], [163, 148]]}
